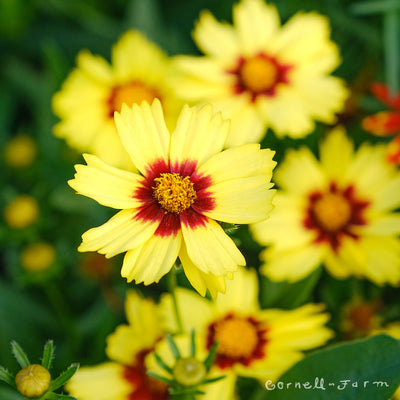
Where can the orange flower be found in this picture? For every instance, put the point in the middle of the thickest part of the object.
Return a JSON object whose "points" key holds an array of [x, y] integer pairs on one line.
{"points": [[386, 123]]}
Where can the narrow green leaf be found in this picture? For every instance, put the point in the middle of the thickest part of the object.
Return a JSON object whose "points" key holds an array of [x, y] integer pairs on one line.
{"points": [[193, 343], [209, 361], [162, 364], [6, 376], [374, 7], [64, 377], [56, 396], [48, 353], [19, 354], [160, 378], [391, 32], [211, 380], [360, 370], [173, 347]]}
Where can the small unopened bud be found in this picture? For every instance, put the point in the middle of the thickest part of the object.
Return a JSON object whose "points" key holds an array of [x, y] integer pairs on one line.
{"points": [[33, 380], [189, 372]]}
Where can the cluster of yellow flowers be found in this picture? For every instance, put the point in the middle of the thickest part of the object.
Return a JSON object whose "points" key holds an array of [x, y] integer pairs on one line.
{"points": [[174, 145]]}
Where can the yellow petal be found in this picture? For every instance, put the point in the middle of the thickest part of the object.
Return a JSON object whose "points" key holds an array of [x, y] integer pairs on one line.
{"points": [[292, 264], [284, 228], [215, 38], [211, 249], [95, 67], [241, 201], [384, 225], [300, 173], [118, 234], [198, 135], [107, 185], [144, 134], [241, 293], [149, 262], [102, 382], [336, 153], [187, 301], [134, 56], [256, 22], [200, 280]]}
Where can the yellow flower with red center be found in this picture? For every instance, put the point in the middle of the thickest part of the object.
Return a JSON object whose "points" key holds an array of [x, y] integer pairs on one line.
{"points": [[262, 75], [386, 123], [186, 184], [338, 211], [125, 378], [94, 90], [252, 342]]}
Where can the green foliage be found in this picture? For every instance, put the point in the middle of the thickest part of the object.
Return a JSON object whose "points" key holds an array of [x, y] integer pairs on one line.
{"points": [[361, 370]]}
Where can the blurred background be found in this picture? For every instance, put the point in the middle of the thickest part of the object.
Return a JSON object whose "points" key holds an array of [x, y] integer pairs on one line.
{"points": [[48, 289]]}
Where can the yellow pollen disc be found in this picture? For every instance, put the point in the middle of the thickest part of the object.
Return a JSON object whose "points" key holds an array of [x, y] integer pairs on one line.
{"points": [[174, 192], [237, 337], [131, 93], [258, 74], [332, 211]]}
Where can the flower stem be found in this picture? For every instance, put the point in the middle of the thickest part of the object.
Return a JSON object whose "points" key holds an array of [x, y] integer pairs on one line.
{"points": [[172, 285]]}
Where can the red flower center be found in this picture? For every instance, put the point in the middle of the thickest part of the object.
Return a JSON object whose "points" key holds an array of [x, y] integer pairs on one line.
{"points": [[333, 214], [130, 93], [240, 340], [143, 386], [171, 195], [259, 75]]}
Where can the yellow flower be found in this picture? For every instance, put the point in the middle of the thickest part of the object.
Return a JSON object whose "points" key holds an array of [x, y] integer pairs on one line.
{"points": [[337, 211], [20, 151], [94, 90], [38, 256], [255, 343], [21, 212], [124, 378], [186, 184], [262, 75]]}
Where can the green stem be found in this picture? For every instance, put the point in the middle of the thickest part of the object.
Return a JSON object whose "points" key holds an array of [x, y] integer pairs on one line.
{"points": [[391, 33], [172, 285]]}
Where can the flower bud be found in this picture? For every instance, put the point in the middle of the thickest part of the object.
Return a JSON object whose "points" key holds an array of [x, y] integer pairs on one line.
{"points": [[189, 372], [33, 380]]}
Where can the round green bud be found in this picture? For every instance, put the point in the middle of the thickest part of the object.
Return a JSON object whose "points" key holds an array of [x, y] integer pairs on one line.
{"points": [[33, 380], [189, 372]]}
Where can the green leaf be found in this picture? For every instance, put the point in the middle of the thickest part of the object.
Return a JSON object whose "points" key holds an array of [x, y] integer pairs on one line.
{"points": [[64, 377], [193, 343], [6, 376], [48, 353], [160, 378], [173, 347], [56, 396], [162, 364], [208, 362], [19, 354], [360, 370], [288, 295]]}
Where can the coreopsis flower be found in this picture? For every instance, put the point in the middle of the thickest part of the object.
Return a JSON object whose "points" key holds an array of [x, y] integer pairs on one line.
{"points": [[262, 75], [21, 212], [252, 342], [338, 211], [359, 317], [20, 151], [170, 209], [95, 89], [386, 123], [38, 256], [124, 377]]}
